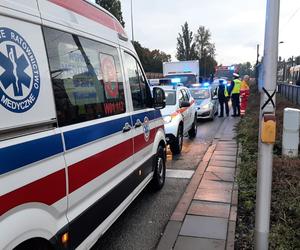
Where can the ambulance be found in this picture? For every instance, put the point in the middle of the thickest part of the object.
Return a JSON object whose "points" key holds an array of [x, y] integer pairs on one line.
{"points": [[81, 134]]}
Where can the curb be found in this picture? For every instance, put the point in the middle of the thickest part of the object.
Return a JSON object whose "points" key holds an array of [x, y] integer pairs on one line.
{"points": [[171, 236], [234, 205], [187, 197], [173, 227]]}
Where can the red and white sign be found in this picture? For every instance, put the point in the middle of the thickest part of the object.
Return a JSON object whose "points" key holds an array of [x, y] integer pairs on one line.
{"points": [[109, 75]]}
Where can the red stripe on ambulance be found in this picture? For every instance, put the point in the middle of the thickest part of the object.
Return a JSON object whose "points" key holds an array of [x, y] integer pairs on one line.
{"points": [[87, 10], [46, 190], [52, 188]]}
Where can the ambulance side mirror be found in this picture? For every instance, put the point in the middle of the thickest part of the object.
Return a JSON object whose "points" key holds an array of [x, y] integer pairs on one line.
{"points": [[159, 98]]}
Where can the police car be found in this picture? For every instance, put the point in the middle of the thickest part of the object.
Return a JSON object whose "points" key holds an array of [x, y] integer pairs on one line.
{"points": [[206, 102], [80, 133], [179, 116]]}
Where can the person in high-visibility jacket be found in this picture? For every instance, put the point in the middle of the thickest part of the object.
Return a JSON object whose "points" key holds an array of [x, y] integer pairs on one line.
{"points": [[235, 94], [223, 97], [244, 93]]}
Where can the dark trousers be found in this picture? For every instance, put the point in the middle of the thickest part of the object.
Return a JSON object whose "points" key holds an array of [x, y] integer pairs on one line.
{"points": [[235, 98], [223, 102]]}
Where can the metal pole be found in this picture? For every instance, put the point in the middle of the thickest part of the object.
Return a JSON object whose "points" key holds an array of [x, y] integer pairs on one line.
{"points": [[257, 53], [264, 171], [132, 34], [284, 69], [256, 66]]}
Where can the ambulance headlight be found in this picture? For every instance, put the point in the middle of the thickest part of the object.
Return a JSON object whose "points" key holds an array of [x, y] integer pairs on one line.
{"points": [[167, 119]]}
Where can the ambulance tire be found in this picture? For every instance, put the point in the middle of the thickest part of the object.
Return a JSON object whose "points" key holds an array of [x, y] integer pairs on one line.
{"points": [[36, 244], [159, 167], [193, 131], [176, 145]]}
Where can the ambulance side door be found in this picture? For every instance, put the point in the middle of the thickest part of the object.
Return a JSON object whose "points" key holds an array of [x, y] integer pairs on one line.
{"points": [[92, 113], [143, 115]]}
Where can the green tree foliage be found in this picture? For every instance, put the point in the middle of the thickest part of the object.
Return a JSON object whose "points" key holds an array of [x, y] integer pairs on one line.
{"points": [[197, 47], [114, 7], [246, 69], [206, 51], [151, 59], [186, 47]]}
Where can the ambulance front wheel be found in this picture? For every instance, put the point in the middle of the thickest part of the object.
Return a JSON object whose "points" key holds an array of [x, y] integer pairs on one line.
{"points": [[159, 166]]}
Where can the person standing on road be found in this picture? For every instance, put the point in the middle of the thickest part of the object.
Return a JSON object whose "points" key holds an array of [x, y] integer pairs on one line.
{"points": [[223, 95], [244, 93], [235, 94]]}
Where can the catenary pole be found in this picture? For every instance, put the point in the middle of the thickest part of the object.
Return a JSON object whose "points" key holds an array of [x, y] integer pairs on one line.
{"points": [[265, 161]]}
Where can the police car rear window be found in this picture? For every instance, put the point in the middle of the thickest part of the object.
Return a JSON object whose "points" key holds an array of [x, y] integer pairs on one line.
{"points": [[86, 77]]}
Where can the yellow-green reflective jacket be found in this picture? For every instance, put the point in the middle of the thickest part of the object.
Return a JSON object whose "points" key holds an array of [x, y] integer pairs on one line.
{"points": [[237, 86], [226, 92]]}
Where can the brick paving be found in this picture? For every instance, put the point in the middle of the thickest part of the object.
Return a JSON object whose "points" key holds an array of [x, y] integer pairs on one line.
{"points": [[205, 217]]}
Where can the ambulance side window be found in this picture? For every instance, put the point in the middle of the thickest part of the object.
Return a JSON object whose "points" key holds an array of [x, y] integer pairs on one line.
{"points": [[140, 91], [86, 77]]}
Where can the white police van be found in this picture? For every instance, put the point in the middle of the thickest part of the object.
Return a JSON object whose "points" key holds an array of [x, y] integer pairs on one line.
{"points": [[80, 133]]}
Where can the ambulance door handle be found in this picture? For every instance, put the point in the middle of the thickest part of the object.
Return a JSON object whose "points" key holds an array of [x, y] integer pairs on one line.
{"points": [[138, 123], [126, 127]]}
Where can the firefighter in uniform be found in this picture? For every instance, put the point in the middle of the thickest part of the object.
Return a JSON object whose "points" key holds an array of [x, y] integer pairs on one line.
{"points": [[244, 93], [223, 97], [235, 94]]}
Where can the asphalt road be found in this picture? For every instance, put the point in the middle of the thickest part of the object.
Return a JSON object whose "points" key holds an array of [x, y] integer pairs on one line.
{"points": [[142, 224]]}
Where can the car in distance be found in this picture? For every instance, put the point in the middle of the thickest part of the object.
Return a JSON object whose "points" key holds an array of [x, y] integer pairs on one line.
{"points": [[179, 116], [205, 101]]}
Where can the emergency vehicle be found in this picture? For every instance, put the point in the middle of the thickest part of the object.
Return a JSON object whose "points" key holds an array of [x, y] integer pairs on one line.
{"points": [[80, 133], [180, 116], [182, 72], [225, 72]]}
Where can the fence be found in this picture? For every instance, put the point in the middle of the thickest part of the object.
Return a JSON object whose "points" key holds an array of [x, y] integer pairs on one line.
{"points": [[290, 92]]}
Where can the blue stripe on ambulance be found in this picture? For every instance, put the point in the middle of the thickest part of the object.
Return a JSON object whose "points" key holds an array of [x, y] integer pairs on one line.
{"points": [[39, 149], [16, 156], [81, 136]]}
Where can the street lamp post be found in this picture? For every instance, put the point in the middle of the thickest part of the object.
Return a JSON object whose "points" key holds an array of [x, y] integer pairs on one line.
{"points": [[282, 63], [132, 34], [257, 53]]}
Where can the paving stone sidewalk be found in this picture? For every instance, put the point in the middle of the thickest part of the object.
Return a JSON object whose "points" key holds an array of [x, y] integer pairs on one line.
{"points": [[205, 217]]}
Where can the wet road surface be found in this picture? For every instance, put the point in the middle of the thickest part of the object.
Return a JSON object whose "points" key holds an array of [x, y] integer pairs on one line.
{"points": [[141, 225]]}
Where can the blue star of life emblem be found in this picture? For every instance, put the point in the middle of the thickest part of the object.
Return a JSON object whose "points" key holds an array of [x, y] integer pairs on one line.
{"points": [[146, 129], [19, 72]]}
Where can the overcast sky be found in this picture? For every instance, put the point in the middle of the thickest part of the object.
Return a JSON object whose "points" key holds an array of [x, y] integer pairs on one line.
{"points": [[236, 25]]}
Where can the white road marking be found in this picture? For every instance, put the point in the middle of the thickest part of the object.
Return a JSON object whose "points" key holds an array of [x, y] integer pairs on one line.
{"points": [[181, 174]]}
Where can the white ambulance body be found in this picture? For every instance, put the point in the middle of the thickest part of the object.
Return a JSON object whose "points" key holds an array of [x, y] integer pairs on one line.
{"points": [[79, 134]]}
